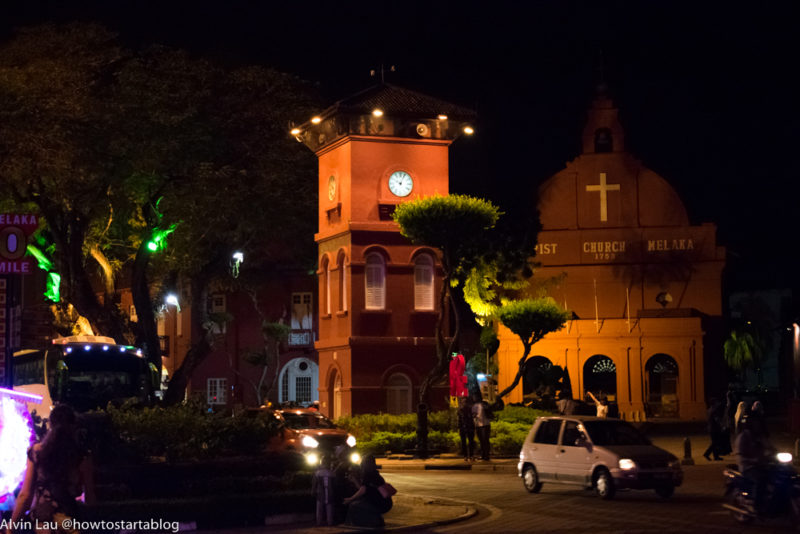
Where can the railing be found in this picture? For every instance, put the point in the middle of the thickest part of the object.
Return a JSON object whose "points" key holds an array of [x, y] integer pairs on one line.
{"points": [[301, 338]]}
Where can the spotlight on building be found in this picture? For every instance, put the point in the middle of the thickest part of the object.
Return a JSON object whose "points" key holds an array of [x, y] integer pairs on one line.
{"points": [[663, 298]]}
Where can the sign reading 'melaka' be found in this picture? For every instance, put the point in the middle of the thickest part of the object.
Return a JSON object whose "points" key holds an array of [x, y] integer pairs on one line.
{"points": [[14, 231]]}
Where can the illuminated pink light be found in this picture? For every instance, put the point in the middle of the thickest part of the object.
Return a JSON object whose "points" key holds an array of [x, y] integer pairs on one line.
{"points": [[16, 435], [27, 397]]}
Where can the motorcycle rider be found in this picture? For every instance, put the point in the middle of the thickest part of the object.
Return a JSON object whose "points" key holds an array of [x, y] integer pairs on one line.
{"points": [[753, 450]]}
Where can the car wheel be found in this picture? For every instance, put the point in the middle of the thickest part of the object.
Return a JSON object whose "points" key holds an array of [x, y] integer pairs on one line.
{"points": [[666, 491], [530, 478], [604, 485]]}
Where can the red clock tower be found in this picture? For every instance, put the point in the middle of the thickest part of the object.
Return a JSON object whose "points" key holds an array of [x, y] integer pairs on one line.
{"points": [[377, 307]]}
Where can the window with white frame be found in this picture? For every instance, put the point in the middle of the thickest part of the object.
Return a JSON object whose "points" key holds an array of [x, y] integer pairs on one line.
{"points": [[398, 394], [299, 381], [328, 287], [217, 391], [342, 284], [423, 282], [218, 304], [375, 280]]}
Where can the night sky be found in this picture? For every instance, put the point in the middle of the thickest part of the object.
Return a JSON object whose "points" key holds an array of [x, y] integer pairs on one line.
{"points": [[706, 90]]}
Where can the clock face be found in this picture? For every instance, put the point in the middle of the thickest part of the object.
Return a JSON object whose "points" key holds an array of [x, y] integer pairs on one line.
{"points": [[331, 187], [400, 183]]}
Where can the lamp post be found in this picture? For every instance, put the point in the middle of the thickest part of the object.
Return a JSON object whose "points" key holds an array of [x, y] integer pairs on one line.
{"points": [[171, 299]]}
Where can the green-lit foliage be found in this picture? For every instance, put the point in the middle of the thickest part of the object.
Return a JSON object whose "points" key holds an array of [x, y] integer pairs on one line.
{"points": [[532, 319], [742, 351], [454, 224]]}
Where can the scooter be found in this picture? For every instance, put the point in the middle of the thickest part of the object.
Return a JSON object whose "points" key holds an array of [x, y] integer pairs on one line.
{"points": [[781, 492]]}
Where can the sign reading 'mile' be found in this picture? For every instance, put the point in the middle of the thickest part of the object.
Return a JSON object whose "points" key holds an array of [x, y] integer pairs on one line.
{"points": [[14, 232]]}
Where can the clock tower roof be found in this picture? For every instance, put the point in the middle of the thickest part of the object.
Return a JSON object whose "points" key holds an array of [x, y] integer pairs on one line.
{"points": [[386, 110]]}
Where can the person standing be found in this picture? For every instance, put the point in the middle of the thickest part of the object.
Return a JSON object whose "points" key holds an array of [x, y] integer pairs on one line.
{"points": [[483, 426], [59, 470], [466, 429], [602, 405], [322, 486], [716, 431]]}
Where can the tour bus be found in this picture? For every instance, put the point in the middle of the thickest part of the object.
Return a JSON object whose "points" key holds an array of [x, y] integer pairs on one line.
{"points": [[85, 372]]}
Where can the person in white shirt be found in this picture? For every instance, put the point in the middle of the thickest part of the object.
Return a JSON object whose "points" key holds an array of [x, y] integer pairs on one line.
{"points": [[602, 405]]}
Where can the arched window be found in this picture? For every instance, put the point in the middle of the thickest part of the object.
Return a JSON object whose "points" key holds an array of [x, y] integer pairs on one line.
{"points": [[603, 141], [342, 284], [325, 287], [398, 394], [328, 287], [423, 282], [299, 382], [375, 280]]}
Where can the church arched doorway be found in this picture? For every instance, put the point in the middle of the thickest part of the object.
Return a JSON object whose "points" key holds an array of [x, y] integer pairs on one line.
{"points": [[299, 382], [661, 385], [600, 377], [534, 374]]}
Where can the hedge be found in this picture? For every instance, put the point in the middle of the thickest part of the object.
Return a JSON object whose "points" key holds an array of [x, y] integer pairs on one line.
{"points": [[382, 434]]}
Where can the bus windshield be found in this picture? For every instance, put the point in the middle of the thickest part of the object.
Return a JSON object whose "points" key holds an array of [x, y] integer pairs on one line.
{"points": [[95, 377]]}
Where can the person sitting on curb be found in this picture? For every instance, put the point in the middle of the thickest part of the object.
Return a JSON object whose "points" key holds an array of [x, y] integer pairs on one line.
{"points": [[365, 508]]}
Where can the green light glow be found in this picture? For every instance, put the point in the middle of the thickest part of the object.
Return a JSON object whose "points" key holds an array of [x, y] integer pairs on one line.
{"points": [[158, 240], [53, 290]]}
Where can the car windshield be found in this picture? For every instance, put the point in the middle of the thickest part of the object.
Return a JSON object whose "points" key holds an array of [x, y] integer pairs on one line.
{"points": [[307, 420], [604, 433]]}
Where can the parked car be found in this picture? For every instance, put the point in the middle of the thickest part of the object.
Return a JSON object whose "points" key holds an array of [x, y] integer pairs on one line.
{"points": [[604, 454], [312, 434]]}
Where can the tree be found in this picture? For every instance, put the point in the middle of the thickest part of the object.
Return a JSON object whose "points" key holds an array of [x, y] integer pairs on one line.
{"points": [[530, 320], [123, 152], [743, 351], [457, 226]]}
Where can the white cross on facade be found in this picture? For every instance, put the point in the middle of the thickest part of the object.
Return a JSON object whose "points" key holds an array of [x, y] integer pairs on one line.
{"points": [[604, 188]]}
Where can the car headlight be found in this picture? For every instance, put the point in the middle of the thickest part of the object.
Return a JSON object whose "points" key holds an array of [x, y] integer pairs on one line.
{"points": [[312, 458], [309, 442], [626, 464], [784, 457], [351, 440], [355, 458]]}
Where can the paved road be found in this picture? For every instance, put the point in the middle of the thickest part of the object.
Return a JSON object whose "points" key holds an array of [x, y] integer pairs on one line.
{"points": [[506, 507]]}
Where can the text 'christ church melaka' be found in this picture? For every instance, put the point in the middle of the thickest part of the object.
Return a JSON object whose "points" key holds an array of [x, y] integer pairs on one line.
{"points": [[643, 284]]}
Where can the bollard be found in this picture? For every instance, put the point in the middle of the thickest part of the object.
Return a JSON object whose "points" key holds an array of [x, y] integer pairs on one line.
{"points": [[687, 452]]}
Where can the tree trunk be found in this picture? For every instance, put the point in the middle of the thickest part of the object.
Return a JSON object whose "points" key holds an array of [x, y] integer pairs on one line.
{"points": [[520, 370], [140, 291], [200, 349]]}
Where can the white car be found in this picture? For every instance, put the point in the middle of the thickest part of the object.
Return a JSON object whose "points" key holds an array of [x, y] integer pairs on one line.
{"points": [[604, 454]]}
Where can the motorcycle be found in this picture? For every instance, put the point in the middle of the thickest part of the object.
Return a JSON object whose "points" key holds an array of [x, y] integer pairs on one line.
{"points": [[781, 492]]}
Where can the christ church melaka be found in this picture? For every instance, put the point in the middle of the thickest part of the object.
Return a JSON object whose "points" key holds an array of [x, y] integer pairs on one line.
{"points": [[644, 285]]}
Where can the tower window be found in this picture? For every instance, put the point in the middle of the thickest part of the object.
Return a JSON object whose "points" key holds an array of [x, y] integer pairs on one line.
{"points": [[423, 282], [342, 284], [603, 141], [375, 280]]}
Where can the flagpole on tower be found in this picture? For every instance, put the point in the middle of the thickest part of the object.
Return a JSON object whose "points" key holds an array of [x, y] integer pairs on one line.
{"points": [[628, 302]]}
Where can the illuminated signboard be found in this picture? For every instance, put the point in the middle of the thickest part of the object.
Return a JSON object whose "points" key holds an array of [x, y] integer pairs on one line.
{"points": [[14, 231]]}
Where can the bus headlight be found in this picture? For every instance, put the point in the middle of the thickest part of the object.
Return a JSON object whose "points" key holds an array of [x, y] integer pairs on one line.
{"points": [[309, 442], [355, 458], [312, 458], [784, 457], [351, 440]]}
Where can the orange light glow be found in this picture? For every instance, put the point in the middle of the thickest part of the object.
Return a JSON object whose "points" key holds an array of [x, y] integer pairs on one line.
{"points": [[316, 120], [442, 117], [468, 130], [295, 131], [377, 112]]}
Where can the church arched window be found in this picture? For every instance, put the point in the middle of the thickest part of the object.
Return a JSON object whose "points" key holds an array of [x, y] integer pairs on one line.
{"points": [[423, 282], [342, 283], [325, 283], [375, 280], [603, 140]]}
